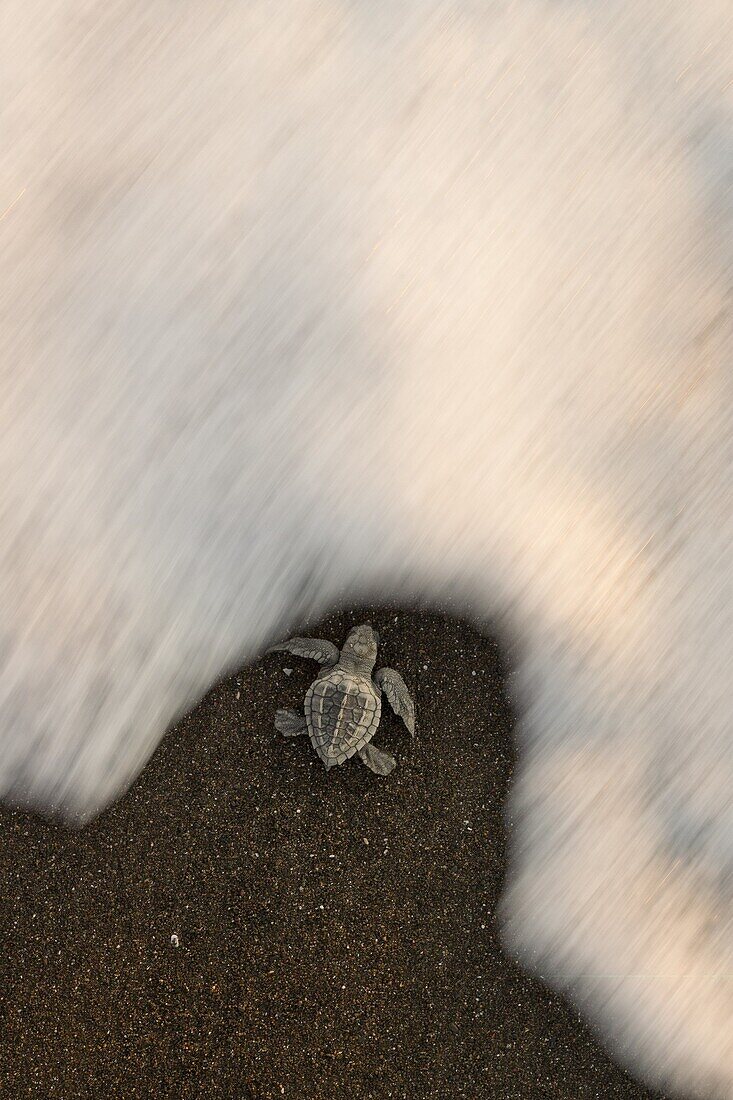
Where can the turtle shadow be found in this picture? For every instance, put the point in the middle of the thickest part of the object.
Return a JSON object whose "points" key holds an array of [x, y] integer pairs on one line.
{"points": [[335, 930]]}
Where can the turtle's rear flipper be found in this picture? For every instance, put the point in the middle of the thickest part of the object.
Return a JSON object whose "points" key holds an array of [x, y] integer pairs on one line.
{"points": [[380, 762], [290, 724]]}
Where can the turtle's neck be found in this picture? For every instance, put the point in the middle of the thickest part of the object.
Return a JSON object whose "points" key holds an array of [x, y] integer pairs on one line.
{"points": [[360, 666]]}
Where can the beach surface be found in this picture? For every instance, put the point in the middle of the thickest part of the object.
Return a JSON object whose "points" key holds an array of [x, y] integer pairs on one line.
{"points": [[243, 925]]}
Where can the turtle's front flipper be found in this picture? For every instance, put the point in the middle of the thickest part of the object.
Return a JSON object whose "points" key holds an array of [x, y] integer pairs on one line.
{"points": [[290, 724], [395, 688], [317, 649], [380, 762]]}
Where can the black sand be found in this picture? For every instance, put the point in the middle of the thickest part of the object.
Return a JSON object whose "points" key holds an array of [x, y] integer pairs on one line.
{"points": [[335, 930]]}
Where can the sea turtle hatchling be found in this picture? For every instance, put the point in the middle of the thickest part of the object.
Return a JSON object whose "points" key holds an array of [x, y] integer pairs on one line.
{"points": [[343, 704]]}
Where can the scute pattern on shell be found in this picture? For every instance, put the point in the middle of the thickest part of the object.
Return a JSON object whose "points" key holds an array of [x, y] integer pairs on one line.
{"points": [[342, 711]]}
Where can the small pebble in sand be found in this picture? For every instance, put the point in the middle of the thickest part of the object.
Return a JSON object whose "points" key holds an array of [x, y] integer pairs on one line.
{"points": [[288, 671], [174, 940]]}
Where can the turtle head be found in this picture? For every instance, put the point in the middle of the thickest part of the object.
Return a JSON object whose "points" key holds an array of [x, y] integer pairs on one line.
{"points": [[362, 643]]}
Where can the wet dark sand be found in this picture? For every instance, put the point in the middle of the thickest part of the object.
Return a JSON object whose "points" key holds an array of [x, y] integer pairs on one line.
{"points": [[335, 930]]}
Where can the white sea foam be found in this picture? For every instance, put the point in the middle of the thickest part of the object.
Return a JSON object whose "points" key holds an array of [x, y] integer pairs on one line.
{"points": [[305, 299]]}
